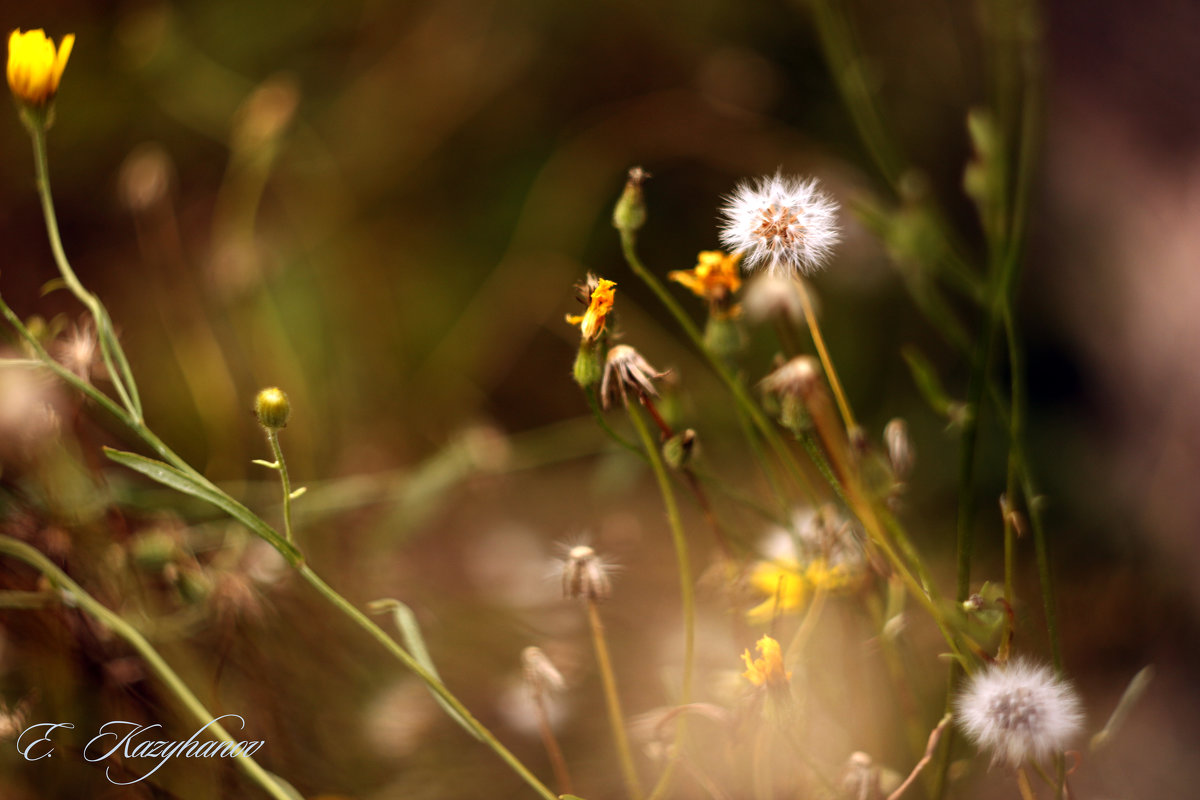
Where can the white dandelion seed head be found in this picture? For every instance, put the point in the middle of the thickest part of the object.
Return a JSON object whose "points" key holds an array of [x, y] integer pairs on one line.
{"points": [[1019, 711], [786, 225]]}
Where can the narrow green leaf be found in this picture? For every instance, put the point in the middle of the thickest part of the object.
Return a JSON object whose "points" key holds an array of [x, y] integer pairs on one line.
{"points": [[182, 482], [414, 643]]}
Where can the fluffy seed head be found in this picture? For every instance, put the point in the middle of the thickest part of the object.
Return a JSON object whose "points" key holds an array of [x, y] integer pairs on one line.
{"points": [[1019, 711], [585, 574], [786, 225]]}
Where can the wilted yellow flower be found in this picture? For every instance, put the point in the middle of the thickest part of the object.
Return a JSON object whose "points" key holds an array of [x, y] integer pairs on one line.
{"points": [[766, 671], [35, 66], [591, 322], [715, 278]]}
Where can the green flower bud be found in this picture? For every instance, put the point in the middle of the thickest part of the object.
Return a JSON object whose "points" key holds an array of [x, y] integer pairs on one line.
{"points": [[630, 212], [272, 408], [589, 365]]}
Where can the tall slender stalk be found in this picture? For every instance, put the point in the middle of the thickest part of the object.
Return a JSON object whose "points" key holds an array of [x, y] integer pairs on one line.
{"points": [[612, 702], [110, 348], [686, 590]]}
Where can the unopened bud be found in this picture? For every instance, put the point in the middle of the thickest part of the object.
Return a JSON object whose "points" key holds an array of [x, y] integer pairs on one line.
{"points": [[630, 212], [541, 676], [680, 449], [899, 447], [272, 408], [588, 370]]}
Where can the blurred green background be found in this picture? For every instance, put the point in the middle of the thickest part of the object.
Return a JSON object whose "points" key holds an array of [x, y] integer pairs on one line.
{"points": [[382, 208]]}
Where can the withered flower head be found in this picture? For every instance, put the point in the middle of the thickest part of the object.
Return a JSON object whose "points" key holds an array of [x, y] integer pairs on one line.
{"points": [[625, 370], [585, 574], [600, 295]]}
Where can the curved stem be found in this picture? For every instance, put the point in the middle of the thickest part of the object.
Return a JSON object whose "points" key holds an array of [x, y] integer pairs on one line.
{"points": [[77, 596], [110, 348]]}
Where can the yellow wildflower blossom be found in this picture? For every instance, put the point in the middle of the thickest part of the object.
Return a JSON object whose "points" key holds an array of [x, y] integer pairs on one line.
{"points": [[591, 322], [715, 278], [788, 585], [35, 66], [768, 670]]}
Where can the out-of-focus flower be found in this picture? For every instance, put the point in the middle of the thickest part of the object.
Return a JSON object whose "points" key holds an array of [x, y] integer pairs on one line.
{"points": [[1019, 711], [601, 295], [626, 370], [78, 351], [541, 676], [771, 297], [786, 225], [35, 66], [797, 377], [900, 449], [715, 278], [768, 670], [823, 553]]}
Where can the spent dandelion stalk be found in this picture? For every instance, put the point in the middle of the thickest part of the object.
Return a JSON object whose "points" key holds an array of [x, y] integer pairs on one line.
{"points": [[543, 679], [585, 577]]}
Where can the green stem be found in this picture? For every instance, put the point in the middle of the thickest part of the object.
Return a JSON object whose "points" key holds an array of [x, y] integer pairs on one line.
{"points": [[273, 438], [75, 595], [826, 362], [735, 387], [110, 348], [159, 447], [686, 590]]}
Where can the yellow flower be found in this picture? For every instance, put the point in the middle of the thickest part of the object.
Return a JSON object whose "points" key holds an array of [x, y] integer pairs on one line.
{"points": [[715, 277], [35, 67], [784, 585], [789, 585], [768, 670], [591, 322]]}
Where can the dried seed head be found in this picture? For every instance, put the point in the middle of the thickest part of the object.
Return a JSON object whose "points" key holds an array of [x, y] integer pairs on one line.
{"points": [[585, 574], [626, 370], [1019, 711], [541, 675], [899, 447], [796, 378], [786, 225]]}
